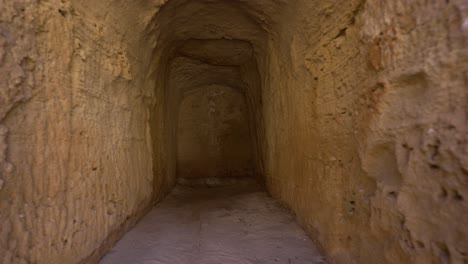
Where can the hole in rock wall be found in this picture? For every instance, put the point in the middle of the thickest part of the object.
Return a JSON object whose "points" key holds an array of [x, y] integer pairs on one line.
{"points": [[382, 165]]}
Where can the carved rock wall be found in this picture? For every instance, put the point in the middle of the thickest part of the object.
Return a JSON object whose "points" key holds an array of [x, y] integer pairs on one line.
{"points": [[356, 110]]}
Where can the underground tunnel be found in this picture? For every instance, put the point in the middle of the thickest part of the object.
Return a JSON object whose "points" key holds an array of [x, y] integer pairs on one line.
{"points": [[233, 131]]}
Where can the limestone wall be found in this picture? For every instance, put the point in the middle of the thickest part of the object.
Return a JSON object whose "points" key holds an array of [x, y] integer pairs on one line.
{"points": [[357, 116], [366, 128], [76, 156]]}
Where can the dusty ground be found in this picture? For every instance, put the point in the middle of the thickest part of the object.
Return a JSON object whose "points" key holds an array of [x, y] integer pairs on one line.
{"points": [[226, 225]]}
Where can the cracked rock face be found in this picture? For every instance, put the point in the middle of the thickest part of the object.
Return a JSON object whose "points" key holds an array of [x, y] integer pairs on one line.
{"points": [[354, 115]]}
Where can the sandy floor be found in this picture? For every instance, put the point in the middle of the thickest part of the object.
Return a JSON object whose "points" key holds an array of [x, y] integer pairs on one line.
{"points": [[225, 225]]}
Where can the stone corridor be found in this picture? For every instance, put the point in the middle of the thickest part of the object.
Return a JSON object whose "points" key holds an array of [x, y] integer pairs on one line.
{"points": [[126, 125]]}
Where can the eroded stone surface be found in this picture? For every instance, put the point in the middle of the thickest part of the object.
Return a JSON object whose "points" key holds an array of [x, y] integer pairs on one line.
{"points": [[76, 158], [357, 111]]}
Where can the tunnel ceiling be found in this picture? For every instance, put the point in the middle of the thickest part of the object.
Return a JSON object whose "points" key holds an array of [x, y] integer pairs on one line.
{"points": [[216, 39], [206, 19], [221, 52], [188, 74]]}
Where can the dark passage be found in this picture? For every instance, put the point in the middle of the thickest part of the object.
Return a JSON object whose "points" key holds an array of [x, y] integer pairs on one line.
{"points": [[213, 134]]}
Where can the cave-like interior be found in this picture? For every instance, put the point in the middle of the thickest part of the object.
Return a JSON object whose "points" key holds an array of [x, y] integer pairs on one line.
{"points": [[350, 114]]}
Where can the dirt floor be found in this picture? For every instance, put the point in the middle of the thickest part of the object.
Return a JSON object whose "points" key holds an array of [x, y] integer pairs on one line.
{"points": [[223, 225]]}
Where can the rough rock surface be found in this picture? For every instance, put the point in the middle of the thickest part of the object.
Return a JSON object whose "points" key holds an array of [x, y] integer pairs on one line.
{"points": [[357, 115], [76, 156]]}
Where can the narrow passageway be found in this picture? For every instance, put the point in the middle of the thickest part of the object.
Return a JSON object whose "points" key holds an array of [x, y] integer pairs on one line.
{"points": [[237, 224], [131, 132]]}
